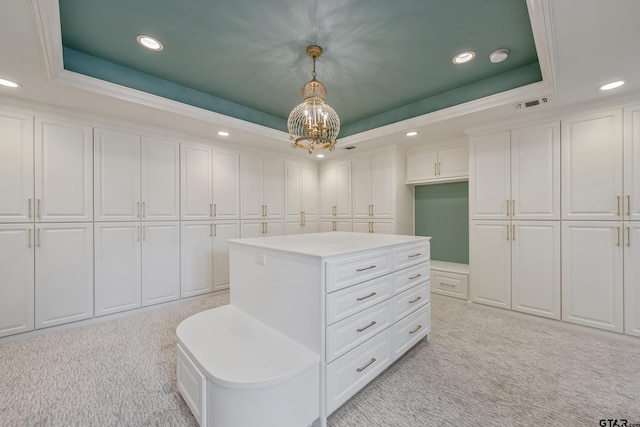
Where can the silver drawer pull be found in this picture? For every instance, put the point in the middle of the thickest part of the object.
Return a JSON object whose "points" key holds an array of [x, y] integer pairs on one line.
{"points": [[415, 255], [415, 277], [373, 322], [415, 300], [416, 329], [368, 296], [366, 268], [366, 365], [447, 284]]}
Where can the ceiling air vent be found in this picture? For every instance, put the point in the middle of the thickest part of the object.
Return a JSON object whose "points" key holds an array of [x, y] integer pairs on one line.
{"points": [[349, 147], [532, 103]]}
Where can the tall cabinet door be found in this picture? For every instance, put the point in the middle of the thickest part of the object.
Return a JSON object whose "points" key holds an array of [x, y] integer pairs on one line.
{"points": [[273, 193], [362, 185], [632, 163], [16, 167], [535, 172], [222, 231], [116, 176], [490, 263], [535, 267], [64, 171], [252, 170], [196, 258], [118, 274], [226, 185], [381, 187], [196, 184], [632, 278], [592, 282], [16, 278], [160, 179], [64, 273], [310, 192], [160, 262], [490, 177], [294, 194], [592, 167]]}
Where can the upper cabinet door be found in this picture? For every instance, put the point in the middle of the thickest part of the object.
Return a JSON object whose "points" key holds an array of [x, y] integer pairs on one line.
{"points": [[592, 167], [310, 191], [489, 177], [196, 183], [453, 163], [160, 175], [117, 176], [632, 163], [64, 171], [422, 167], [226, 185], [16, 167], [273, 195], [535, 172], [252, 184], [381, 187], [294, 194], [362, 188]]}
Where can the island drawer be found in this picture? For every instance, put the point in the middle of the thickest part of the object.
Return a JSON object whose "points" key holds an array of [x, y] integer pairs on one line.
{"points": [[410, 330], [350, 271], [410, 300], [349, 301], [411, 276]]}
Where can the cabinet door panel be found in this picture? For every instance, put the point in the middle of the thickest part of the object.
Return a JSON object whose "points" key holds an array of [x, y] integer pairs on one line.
{"points": [[293, 193], [222, 231], [535, 172], [160, 262], [196, 258], [116, 176], [632, 279], [252, 187], [226, 185], [16, 169], [64, 171], [489, 176], [327, 191], [310, 192], [535, 268], [274, 188], [64, 273], [490, 263], [343, 190], [16, 278], [422, 167], [118, 267], [592, 274], [160, 179], [196, 201], [592, 167], [361, 188], [632, 163], [453, 163], [381, 187]]}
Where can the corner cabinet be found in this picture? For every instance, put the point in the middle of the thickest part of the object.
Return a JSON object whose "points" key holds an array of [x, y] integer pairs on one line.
{"points": [[360, 300]]}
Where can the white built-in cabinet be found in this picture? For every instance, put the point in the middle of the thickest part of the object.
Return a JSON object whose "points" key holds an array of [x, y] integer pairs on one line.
{"points": [[210, 183], [302, 199], [262, 187], [445, 164], [335, 191], [514, 203], [262, 228], [373, 187], [64, 273], [205, 255], [379, 226], [335, 224], [135, 177], [16, 278]]}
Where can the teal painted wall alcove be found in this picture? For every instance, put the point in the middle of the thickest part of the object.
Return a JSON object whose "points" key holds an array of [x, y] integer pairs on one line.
{"points": [[442, 212]]}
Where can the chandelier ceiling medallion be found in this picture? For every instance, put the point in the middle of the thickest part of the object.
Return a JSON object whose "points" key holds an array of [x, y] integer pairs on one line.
{"points": [[314, 125]]}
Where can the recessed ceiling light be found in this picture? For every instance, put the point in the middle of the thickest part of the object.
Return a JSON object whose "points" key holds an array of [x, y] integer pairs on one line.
{"points": [[612, 85], [8, 83], [411, 133], [320, 156], [463, 57], [498, 55], [150, 42], [223, 133]]}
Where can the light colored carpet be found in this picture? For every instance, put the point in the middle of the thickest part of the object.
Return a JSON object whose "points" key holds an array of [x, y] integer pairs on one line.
{"points": [[480, 367]]}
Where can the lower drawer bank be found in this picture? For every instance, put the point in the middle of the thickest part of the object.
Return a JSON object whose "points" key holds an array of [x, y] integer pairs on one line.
{"points": [[350, 372]]}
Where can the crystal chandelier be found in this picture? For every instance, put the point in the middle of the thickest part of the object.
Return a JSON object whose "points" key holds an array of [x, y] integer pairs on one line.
{"points": [[314, 125]]}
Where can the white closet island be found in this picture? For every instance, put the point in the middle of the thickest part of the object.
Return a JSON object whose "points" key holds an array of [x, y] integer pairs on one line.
{"points": [[357, 300]]}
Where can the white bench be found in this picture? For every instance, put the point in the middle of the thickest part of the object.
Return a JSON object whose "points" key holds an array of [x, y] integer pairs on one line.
{"points": [[234, 370], [450, 278]]}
